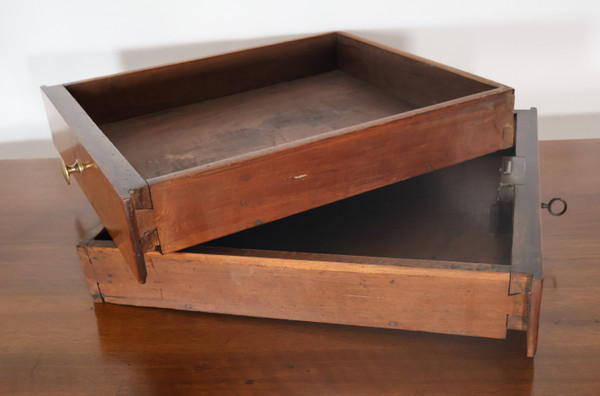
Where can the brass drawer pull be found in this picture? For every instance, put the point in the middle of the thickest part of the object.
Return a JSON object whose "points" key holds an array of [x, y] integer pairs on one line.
{"points": [[77, 167]]}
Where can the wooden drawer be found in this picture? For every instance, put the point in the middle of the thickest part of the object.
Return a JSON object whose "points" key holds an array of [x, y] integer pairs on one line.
{"points": [[178, 155], [453, 251]]}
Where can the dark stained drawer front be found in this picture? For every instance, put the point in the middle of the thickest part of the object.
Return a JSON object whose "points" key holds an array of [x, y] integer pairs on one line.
{"points": [[112, 186], [453, 251], [186, 153]]}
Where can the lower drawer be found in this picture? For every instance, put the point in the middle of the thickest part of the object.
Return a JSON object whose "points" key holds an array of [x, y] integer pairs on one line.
{"points": [[453, 251]]}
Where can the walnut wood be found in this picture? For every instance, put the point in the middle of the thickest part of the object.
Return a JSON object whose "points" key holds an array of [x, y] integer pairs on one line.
{"points": [[235, 140], [54, 340], [112, 186], [318, 172], [380, 64], [446, 215], [131, 94], [526, 257], [527, 248], [472, 303], [535, 303], [407, 231], [222, 129]]}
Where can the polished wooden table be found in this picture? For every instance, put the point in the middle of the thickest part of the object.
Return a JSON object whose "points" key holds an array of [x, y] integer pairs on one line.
{"points": [[54, 340]]}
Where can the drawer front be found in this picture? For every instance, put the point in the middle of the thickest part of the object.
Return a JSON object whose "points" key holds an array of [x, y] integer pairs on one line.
{"points": [[113, 189], [527, 238]]}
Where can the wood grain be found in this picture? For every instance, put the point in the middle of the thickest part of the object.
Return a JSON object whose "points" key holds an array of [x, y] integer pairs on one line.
{"points": [[229, 142], [535, 303], [221, 129], [131, 94], [54, 340], [527, 246], [408, 232], [111, 185], [402, 74], [472, 303], [447, 215], [323, 171]]}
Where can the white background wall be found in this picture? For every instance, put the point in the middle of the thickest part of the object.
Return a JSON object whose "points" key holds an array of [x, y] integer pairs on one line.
{"points": [[549, 51]]}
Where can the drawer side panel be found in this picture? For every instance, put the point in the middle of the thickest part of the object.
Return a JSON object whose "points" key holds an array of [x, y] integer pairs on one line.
{"points": [[472, 303], [201, 206]]}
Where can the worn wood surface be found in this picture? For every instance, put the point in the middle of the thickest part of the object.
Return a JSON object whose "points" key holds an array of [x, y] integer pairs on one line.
{"points": [[527, 250], [323, 171], [473, 303], [237, 140], [221, 129], [54, 340], [110, 183], [421, 86], [446, 215], [380, 259], [134, 93]]}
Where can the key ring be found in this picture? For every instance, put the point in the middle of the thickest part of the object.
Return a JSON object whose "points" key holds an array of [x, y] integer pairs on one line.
{"points": [[549, 206]]}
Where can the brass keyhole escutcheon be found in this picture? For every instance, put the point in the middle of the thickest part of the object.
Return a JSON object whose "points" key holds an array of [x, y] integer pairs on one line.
{"points": [[77, 167]]}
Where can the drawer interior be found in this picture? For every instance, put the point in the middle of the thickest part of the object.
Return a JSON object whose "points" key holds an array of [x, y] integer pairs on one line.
{"points": [[449, 215], [214, 110], [224, 128]]}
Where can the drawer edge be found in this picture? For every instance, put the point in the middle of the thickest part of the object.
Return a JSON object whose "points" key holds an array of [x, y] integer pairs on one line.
{"points": [[108, 181]]}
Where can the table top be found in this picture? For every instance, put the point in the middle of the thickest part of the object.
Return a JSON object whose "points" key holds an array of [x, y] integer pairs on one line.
{"points": [[55, 340]]}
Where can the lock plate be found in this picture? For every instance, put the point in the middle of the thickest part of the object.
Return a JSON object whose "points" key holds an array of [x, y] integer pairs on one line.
{"points": [[512, 171]]}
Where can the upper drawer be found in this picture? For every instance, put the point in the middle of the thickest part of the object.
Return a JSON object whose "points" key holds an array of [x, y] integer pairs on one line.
{"points": [[186, 153]]}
